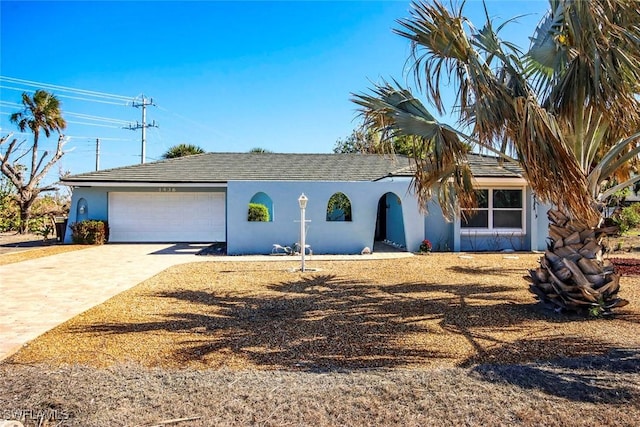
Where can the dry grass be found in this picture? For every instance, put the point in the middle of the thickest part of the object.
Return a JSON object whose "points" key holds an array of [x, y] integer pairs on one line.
{"points": [[586, 391], [431, 340], [38, 252], [422, 312], [16, 247]]}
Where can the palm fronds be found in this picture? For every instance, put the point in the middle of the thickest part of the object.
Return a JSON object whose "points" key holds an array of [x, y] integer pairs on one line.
{"points": [[552, 107], [393, 111]]}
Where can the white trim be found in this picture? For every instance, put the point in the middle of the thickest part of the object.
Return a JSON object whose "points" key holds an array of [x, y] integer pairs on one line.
{"points": [[493, 231], [147, 184], [466, 231], [394, 178], [499, 182]]}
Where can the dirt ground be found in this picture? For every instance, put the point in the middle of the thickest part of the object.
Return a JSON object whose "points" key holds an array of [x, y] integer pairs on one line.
{"points": [[629, 243], [11, 241], [21, 247]]}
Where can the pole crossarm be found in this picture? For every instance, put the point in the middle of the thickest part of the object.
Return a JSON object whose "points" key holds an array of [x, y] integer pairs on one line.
{"points": [[144, 125]]}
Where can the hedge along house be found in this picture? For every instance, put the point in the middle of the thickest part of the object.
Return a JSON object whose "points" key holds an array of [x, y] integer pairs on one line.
{"points": [[354, 200]]}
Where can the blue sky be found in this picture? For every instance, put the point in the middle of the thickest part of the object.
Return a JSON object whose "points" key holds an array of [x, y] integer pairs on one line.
{"points": [[227, 76]]}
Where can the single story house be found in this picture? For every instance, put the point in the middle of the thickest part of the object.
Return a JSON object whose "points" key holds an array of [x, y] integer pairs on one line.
{"points": [[353, 201]]}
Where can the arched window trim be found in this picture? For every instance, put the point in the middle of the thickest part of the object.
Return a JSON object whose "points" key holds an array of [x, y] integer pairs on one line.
{"points": [[263, 198], [346, 208]]}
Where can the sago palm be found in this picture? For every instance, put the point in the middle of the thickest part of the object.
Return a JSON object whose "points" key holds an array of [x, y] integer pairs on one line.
{"points": [[566, 111]]}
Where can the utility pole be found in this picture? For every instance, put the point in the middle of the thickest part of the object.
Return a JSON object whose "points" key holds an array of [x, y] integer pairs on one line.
{"points": [[145, 102], [97, 154]]}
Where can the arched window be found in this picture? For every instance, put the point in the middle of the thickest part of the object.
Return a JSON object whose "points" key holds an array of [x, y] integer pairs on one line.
{"points": [[261, 198], [339, 208]]}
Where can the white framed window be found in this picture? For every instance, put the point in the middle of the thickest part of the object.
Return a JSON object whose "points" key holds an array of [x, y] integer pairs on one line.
{"points": [[500, 210]]}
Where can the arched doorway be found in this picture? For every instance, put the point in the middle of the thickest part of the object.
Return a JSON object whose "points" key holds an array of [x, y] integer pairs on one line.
{"points": [[390, 222]]}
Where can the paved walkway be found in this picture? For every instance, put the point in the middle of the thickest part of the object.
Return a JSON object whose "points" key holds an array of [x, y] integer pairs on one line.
{"points": [[39, 294]]}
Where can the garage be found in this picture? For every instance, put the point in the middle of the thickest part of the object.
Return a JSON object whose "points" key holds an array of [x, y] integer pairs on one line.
{"points": [[167, 217]]}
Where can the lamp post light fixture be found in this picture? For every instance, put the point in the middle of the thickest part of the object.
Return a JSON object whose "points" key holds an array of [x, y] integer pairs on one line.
{"points": [[302, 202]]}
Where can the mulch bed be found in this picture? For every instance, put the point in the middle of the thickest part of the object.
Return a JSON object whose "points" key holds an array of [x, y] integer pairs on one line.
{"points": [[627, 266]]}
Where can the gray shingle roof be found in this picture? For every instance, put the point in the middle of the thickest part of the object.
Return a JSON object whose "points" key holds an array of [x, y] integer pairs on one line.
{"points": [[487, 166], [224, 167]]}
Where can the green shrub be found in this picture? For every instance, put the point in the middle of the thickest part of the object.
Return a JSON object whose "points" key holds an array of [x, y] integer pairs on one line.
{"points": [[90, 232], [258, 212], [9, 214], [339, 208], [41, 225], [628, 218]]}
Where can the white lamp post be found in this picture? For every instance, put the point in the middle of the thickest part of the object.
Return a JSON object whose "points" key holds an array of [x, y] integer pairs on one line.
{"points": [[302, 202]]}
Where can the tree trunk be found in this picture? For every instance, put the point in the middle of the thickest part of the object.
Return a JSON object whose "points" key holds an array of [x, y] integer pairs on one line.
{"points": [[25, 216], [573, 275]]}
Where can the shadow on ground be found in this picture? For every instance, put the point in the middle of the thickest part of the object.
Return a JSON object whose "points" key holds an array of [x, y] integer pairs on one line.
{"points": [[590, 378], [184, 249], [324, 322]]}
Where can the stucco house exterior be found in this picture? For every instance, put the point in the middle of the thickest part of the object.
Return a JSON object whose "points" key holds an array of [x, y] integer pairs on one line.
{"points": [[205, 198]]}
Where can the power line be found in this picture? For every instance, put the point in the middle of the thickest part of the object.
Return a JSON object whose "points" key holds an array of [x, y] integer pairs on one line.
{"points": [[96, 118], [104, 139], [196, 123], [100, 101], [92, 100], [71, 113], [79, 118], [93, 124], [10, 104], [66, 88]]}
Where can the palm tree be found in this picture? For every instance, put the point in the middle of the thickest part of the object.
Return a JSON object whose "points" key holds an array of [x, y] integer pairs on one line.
{"points": [[566, 111], [259, 150], [182, 150], [40, 113]]}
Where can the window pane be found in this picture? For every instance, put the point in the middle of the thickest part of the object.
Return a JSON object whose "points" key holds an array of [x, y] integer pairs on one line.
{"points": [[507, 198], [482, 196], [475, 219], [507, 219]]}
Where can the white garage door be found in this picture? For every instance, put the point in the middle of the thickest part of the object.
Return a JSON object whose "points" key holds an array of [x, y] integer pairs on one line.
{"points": [[166, 217]]}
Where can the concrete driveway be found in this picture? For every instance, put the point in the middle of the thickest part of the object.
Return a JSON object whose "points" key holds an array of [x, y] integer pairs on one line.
{"points": [[39, 294]]}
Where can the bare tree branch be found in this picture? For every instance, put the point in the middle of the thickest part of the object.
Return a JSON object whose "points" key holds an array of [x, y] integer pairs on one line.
{"points": [[45, 170]]}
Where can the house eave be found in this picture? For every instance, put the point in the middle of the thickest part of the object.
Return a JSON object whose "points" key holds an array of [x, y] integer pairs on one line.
{"points": [[144, 184]]}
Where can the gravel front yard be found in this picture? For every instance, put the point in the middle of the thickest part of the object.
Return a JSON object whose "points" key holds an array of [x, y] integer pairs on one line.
{"points": [[438, 310], [442, 339]]}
